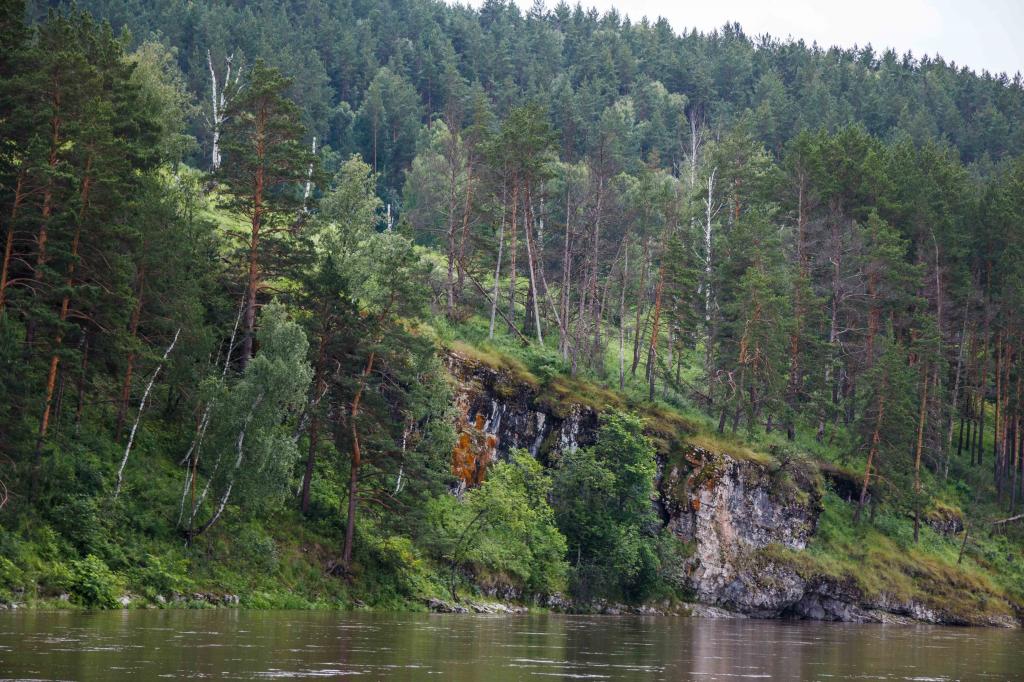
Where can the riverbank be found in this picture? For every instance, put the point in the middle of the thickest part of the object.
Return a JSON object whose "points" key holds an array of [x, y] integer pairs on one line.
{"points": [[758, 529]]}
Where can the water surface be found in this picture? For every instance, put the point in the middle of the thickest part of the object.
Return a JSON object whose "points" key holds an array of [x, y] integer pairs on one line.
{"points": [[252, 645]]}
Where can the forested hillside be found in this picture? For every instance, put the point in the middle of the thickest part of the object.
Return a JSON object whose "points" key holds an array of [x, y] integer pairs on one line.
{"points": [[239, 240]]}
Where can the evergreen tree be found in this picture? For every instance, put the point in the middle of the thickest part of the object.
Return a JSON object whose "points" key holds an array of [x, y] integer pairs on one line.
{"points": [[265, 163]]}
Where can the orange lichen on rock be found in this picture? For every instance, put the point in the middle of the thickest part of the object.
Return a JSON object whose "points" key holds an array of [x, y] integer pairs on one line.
{"points": [[474, 450]]}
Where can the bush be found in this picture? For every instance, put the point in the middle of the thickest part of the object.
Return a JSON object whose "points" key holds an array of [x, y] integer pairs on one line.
{"points": [[80, 521], [161, 576], [11, 577], [397, 555], [256, 549], [503, 532], [93, 584]]}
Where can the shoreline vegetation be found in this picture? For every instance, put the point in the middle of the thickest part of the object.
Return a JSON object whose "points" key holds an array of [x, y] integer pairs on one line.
{"points": [[404, 305]]}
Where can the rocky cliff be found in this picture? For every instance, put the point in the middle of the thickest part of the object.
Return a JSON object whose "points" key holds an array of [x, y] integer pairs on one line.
{"points": [[749, 524], [746, 520], [505, 401], [727, 509]]}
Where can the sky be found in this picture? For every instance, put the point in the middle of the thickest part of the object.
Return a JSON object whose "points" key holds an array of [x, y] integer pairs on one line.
{"points": [[981, 34]]}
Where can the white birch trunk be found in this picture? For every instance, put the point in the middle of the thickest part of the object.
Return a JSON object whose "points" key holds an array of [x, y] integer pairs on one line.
{"points": [[215, 118], [309, 179], [204, 422], [529, 261], [240, 451], [138, 417], [221, 95]]}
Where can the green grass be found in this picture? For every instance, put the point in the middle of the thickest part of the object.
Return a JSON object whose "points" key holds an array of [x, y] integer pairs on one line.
{"points": [[881, 560], [280, 560], [880, 557]]}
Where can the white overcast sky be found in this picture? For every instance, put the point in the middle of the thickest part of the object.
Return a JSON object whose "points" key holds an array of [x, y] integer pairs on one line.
{"points": [[981, 34]]}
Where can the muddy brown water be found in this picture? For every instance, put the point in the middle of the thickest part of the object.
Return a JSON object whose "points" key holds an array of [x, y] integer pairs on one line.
{"points": [[253, 645]]}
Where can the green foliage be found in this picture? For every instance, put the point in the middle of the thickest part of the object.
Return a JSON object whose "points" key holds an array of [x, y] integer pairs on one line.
{"points": [[80, 521], [11, 577], [93, 584], [397, 557], [162, 575], [255, 450], [256, 549], [504, 531], [806, 252], [163, 90], [602, 497]]}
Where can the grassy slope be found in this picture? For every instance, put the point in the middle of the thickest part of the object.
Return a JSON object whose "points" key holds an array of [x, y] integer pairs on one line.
{"points": [[280, 561], [878, 557]]}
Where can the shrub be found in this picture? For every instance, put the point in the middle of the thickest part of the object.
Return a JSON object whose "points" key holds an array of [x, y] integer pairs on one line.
{"points": [[11, 577], [503, 532], [257, 549], [398, 555], [602, 499], [80, 521], [161, 576], [93, 584]]}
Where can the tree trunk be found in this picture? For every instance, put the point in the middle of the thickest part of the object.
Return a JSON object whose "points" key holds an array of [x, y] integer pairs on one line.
{"points": [[307, 477], [253, 281], [709, 298], [638, 328], [920, 446], [80, 398], [138, 417], [126, 384], [876, 438], [353, 477], [597, 356], [1015, 455], [833, 334], [314, 420], [995, 417], [527, 230], [652, 353], [497, 270], [982, 388], [512, 256], [240, 455], [794, 383], [622, 321], [65, 306], [954, 403], [563, 339], [453, 178], [465, 232], [42, 237], [5, 267]]}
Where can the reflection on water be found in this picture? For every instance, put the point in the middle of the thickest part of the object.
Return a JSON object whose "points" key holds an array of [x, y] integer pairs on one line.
{"points": [[249, 645]]}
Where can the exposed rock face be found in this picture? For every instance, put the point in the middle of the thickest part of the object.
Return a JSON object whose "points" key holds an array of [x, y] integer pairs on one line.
{"points": [[945, 520], [728, 509], [739, 517], [512, 412], [736, 514]]}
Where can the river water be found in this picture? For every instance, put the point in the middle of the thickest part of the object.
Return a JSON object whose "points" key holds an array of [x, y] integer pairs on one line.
{"points": [[252, 645]]}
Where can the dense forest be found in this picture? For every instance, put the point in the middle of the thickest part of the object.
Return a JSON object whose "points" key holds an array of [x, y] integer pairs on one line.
{"points": [[238, 236]]}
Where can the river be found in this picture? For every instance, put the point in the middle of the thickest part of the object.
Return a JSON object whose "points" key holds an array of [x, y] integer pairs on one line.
{"points": [[252, 645]]}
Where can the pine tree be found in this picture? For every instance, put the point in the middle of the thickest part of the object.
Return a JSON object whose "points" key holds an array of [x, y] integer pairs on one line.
{"points": [[265, 164]]}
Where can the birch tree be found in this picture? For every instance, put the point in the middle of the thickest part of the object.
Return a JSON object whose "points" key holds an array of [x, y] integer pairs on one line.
{"points": [[249, 425], [223, 93]]}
